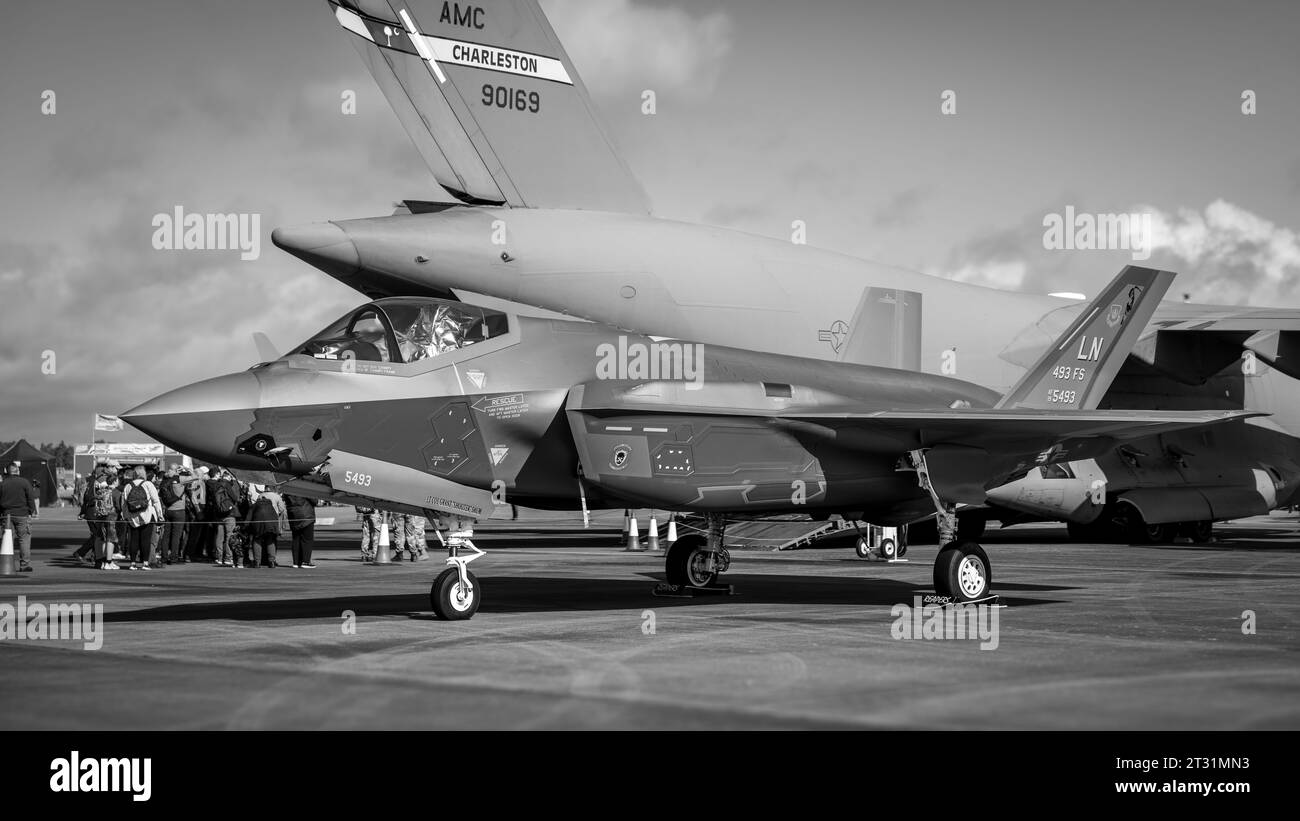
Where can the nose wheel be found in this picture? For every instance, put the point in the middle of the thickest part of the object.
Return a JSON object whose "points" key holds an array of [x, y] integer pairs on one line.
{"points": [[451, 600], [456, 594]]}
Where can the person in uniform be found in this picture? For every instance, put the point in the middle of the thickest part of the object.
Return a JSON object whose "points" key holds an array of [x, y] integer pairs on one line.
{"points": [[397, 529], [416, 547], [369, 533]]}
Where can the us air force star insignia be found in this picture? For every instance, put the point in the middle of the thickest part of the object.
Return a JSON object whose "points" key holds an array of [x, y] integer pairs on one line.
{"points": [[835, 334]]}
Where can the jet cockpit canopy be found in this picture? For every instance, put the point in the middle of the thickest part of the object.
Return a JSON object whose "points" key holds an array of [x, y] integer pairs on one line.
{"points": [[404, 330]]}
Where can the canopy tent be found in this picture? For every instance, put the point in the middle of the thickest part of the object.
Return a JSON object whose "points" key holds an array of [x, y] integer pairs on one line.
{"points": [[35, 466]]}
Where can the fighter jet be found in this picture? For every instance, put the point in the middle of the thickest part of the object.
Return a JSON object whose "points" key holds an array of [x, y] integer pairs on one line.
{"points": [[437, 406], [535, 206]]}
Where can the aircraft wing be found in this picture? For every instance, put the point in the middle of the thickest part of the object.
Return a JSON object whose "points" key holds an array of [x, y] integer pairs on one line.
{"points": [[970, 451], [1191, 343], [492, 102]]}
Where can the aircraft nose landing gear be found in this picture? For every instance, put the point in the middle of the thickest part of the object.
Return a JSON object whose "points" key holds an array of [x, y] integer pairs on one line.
{"points": [[456, 594]]}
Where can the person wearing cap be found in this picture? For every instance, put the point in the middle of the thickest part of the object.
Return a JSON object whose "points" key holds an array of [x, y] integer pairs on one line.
{"points": [[17, 507]]}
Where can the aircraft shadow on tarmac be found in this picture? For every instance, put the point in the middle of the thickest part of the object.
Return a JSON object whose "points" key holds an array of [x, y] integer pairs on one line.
{"points": [[509, 594]]}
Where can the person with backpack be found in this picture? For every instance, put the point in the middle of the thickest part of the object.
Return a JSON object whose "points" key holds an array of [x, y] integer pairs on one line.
{"points": [[224, 502], [175, 517], [267, 519], [100, 506], [302, 528], [196, 508], [141, 509], [85, 497]]}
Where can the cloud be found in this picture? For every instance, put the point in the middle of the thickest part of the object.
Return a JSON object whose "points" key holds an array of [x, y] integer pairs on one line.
{"points": [[998, 259], [1227, 254], [622, 47], [1007, 275], [1223, 254]]}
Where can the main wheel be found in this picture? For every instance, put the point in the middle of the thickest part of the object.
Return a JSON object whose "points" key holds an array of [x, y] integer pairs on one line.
{"points": [[862, 547], [1153, 533], [888, 549], [962, 571], [1198, 532], [450, 600], [685, 563]]}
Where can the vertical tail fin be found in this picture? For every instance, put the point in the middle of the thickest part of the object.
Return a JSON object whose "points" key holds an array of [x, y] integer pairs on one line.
{"points": [[492, 102], [1076, 371]]}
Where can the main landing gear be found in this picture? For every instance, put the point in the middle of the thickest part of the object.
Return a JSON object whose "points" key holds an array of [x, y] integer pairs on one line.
{"points": [[694, 561], [962, 570], [456, 594]]}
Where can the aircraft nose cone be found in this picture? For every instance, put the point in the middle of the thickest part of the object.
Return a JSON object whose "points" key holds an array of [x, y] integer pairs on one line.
{"points": [[203, 420], [321, 244]]}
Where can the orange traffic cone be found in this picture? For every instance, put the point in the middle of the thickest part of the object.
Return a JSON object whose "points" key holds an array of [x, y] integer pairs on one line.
{"points": [[382, 555], [633, 535], [654, 533], [672, 530], [7, 551]]}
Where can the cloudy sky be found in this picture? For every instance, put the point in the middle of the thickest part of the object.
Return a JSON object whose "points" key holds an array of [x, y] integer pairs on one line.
{"points": [[827, 112]]}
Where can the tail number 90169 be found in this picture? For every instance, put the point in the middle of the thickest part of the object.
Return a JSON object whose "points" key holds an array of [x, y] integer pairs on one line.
{"points": [[514, 99], [358, 479]]}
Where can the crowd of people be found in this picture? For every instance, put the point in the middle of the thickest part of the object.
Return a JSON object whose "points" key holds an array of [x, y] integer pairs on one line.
{"points": [[150, 519]]}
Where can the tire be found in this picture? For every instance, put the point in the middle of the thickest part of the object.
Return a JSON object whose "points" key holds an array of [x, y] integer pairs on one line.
{"points": [[888, 550], [962, 571], [1144, 533], [446, 603], [862, 548], [1199, 532], [681, 566]]}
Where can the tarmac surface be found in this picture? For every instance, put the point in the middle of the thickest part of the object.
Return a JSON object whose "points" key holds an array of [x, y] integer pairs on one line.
{"points": [[1094, 636]]}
